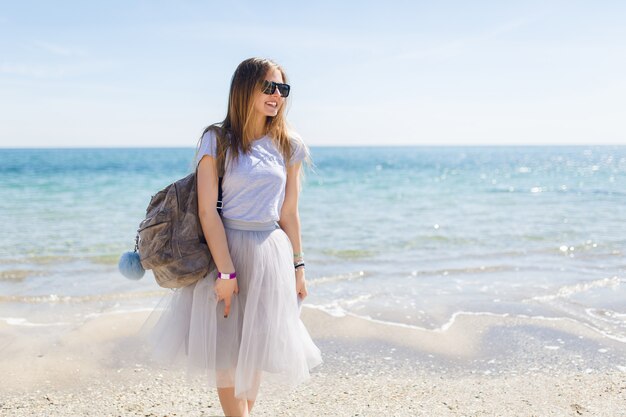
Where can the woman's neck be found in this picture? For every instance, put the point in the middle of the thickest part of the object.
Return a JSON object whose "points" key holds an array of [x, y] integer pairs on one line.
{"points": [[259, 130]]}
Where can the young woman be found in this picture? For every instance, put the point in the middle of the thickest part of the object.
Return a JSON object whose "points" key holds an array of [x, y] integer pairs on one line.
{"points": [[241, 323]]}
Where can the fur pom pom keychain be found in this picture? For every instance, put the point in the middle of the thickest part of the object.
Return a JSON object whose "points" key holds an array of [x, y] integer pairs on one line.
{"points": [[130, 263]]}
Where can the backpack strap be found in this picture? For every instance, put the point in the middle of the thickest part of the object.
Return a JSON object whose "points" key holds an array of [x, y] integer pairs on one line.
{"points": [[220, 203], [221, 171]]}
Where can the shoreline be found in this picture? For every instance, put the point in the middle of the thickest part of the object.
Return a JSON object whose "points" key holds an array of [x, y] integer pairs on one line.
{"points": [[478, 364]]}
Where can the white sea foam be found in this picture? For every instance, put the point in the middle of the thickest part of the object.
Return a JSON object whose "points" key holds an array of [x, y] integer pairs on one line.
{"points": [[608, 323], [336, 278], [567, 291], [120, 311], [610, 316], [19, 321], [68, 299], [338, 307], [337, 311], [483, 269]]}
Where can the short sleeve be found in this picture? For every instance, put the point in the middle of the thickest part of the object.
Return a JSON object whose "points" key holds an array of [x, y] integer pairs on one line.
{"points": [[208, 146], [299, 150]]}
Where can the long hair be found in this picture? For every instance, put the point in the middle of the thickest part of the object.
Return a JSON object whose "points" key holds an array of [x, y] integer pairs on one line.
{"points": [[235, 131]]}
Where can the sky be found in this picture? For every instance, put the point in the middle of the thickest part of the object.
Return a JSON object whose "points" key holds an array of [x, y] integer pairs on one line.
{"points": [[155, 73]]}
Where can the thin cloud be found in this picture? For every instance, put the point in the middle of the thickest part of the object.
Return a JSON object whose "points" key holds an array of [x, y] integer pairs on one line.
{"points": [[34, 71], [56, 71], [299, 37], [59, 50], [458, 46]]}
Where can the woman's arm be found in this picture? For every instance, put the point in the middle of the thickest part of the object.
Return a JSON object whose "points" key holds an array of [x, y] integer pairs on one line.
{"points": [[213, 229], [289, 217], [290, 220], [210, 220]]}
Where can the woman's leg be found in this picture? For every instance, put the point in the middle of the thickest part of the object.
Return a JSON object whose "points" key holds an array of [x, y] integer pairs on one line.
{"points": [[230, 405], [257, 384], [233, 406]]}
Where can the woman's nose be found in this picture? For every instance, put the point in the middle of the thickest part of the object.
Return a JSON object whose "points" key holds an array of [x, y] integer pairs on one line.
{"points": [[277, 92]]}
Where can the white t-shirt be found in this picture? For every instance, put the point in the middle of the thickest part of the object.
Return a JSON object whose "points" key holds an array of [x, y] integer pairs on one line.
{"points": [[254, 188]]}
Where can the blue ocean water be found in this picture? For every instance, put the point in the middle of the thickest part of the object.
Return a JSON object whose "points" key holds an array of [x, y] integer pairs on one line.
{"points": [[408, 235]]}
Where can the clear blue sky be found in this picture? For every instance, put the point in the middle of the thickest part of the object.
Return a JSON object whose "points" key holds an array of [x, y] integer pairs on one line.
{"points": [[154, 73]]}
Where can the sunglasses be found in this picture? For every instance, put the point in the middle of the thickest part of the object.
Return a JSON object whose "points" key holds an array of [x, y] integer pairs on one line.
{"points": [[270, 86]]}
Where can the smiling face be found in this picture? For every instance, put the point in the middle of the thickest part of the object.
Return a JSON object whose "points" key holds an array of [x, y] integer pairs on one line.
{"points": [[269, 104]]}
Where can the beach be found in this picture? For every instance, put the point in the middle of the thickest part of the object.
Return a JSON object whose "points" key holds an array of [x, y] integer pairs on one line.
{"points": [[477, 366], [463, 226], [442, 281]]}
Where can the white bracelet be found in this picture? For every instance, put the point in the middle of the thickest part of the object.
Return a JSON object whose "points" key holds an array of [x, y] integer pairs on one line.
{"points": [[222, 275]]}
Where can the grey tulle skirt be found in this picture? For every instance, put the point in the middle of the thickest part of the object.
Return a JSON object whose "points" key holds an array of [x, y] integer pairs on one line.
{"points": [[262, 340]]}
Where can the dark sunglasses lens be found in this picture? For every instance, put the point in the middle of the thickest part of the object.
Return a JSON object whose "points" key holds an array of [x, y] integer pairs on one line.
{"points": [[283, 89], [268, 87]]}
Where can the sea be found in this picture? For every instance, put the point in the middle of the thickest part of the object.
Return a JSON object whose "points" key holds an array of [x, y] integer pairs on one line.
{"points": [[408, 236]]}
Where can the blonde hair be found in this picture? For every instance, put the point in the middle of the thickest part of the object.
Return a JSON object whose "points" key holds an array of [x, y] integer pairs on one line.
{"points": [[235, 130]]}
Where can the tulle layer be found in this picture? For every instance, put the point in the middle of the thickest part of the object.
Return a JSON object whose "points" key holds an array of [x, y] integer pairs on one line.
{"points": [[262, 340]]}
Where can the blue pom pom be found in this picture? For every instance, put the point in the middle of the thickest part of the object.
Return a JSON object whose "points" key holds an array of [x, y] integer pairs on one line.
{"points": [[130, 265]]}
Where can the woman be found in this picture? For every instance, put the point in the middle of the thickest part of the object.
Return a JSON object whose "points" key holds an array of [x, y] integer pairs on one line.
{"points": [[241, 323]]}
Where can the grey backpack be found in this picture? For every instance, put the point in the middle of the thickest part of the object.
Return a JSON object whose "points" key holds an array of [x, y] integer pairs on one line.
{"points": [[170, 239]]}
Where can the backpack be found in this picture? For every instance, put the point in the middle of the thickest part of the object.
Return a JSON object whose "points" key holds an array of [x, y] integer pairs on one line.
{"points": [[170, 240]]}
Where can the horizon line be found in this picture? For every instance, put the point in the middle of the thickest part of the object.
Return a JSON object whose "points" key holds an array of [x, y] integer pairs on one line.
{"points": [[477, 145]]}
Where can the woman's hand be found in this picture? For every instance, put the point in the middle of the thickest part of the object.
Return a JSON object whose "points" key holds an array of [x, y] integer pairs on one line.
{"points": [[301, 283], [224, 289]]}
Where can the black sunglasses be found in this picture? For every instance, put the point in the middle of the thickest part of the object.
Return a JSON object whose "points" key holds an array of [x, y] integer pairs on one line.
{"points": [[270, 86]]}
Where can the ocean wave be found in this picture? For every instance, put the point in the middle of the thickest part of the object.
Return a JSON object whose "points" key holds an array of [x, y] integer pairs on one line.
{"points": [[466, 270], [337, 311], [119, 311], [18, 275], [617, 319], [349, 253], [608, 250], [610, 323], [60, 299], [339, 307], [109, 259], [101, 259], [555, 189], [20, 321], [77, 318], [421, 240], [39, 259], [336, 278], [567, 291]]}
